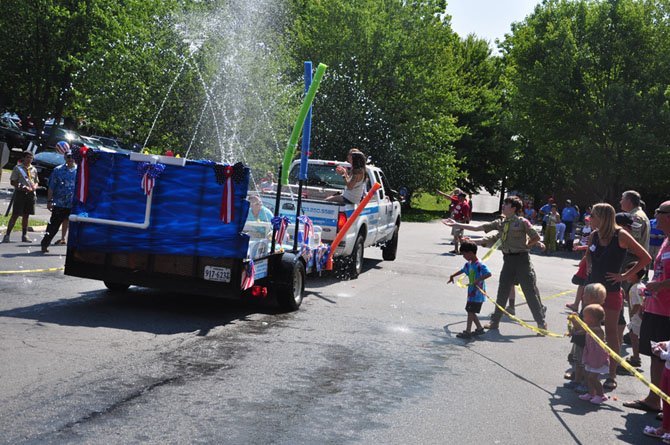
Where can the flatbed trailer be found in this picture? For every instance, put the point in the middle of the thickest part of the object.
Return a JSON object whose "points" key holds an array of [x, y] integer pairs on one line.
{"points": [[176, 225]]}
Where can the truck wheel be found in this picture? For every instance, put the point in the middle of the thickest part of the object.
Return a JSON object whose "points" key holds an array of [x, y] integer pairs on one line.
{"points": [[391, 247], [116, 287], [292, 288], [356, 259]]}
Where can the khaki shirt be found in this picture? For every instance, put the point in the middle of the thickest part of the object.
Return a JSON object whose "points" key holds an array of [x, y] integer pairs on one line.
{"points": [[515, 232], [26, 177], [641, 228]]}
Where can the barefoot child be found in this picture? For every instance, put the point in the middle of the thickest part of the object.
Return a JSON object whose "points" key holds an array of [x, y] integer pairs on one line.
{"points": [[477, 272], [595, 358]]}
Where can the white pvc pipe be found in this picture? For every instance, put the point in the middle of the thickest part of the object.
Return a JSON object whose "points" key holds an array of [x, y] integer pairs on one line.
{"points": [[111, 222]]}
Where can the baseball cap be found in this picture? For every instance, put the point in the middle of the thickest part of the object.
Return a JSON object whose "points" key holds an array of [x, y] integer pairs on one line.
{"points": [[664, 207]]}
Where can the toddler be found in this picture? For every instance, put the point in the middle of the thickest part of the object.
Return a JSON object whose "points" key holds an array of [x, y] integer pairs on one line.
{"points": [[594, 293], [661, 350], [595, 358], [477, 272]]}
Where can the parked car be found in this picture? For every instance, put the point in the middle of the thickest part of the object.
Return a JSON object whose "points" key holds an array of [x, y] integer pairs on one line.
{"points": [[107, 141], [45, 162], [16, 139]]}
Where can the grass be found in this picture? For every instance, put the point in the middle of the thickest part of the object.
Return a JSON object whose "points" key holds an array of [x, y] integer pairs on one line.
{"points": [[426, 207], [32, 222]]}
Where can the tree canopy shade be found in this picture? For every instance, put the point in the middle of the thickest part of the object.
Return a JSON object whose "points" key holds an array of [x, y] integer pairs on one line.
{"points": [[589, 96]]}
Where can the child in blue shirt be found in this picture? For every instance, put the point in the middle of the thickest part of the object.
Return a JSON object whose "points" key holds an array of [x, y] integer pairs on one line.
{"points": [[477, 272]]}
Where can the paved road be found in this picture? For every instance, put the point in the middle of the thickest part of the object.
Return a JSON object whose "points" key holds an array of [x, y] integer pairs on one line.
{"points": [[373, 360]]}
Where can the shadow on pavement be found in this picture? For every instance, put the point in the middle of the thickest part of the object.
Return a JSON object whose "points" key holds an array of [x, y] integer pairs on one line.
{"points": [[141, 309]]}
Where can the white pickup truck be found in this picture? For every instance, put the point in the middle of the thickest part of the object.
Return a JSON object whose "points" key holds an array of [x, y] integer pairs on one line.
{"points": [[377, 225]]}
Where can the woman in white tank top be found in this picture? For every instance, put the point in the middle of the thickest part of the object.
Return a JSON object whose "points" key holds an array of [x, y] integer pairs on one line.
{"points": [[354, 179]]}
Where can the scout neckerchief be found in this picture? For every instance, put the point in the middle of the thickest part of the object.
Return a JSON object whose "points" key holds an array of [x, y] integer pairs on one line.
{"points": [[506, 229], [25, 172]]}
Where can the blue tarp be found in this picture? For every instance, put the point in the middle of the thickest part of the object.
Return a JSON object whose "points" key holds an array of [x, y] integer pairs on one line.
{"points": [[184, 215]]}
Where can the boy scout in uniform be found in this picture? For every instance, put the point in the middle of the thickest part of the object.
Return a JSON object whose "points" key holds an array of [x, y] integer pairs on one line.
{"points": [[517, 236]]}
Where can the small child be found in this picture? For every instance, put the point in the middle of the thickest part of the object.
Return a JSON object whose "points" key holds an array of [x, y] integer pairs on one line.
{"points": [[582, 275], [477, 272], [635, 300], [595, 358], [662, 351], [594, 293]]}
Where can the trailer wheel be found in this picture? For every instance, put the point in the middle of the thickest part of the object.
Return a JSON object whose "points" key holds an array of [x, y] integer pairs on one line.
{"points": [[391, 248], [356, 259], [290, 291], [116, 287]]}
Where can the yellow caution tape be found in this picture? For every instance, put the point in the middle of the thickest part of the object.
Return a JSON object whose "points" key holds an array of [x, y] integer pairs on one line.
{"points": [[11, 272], [518, 320], [655, 389]]}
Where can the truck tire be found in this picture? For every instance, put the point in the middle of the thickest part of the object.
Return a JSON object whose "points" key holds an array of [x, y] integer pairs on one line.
{"points": [[391, 247], [356, 258], [291, 288], [116, 287]]}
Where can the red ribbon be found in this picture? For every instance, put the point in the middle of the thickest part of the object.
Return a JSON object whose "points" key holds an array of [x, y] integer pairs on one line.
{"points": [[82, 172], [228, 200], [147, 184]]}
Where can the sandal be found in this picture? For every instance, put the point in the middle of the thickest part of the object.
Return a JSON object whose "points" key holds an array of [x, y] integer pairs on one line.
{"points": [[641, 405], [60, 242], [610, 384], [572, 307], [634, 362], [652, 431]]}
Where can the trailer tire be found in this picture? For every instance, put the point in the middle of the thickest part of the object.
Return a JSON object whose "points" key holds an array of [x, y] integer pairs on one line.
{"points": [[391, 248], [116, 287], [356, 258], [291, 288]]}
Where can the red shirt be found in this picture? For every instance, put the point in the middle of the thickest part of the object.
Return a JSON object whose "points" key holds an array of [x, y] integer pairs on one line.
{"points": [[460, 210]]}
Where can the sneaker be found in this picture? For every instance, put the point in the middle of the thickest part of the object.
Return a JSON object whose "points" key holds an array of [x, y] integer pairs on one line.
{"points": [[479, 331], [581, 389], [25, 239], [598, 400], [635, 362], [45, 250], [510, 309], [492, 325], [464, 334], [586, 396]]}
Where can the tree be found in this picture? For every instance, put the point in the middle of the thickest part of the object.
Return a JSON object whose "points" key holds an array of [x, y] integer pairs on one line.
{"points": [[588, 88]]}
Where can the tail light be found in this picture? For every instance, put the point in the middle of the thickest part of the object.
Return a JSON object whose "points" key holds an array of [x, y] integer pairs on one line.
{"points": [[259, 291], [341, 220]]}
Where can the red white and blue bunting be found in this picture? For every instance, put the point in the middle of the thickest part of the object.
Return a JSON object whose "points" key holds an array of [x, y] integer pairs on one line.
{"points": [[149, 173], [248, 275]]}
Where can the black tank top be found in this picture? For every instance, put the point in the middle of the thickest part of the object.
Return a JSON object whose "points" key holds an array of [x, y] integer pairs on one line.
{"points": [[606, 259]]}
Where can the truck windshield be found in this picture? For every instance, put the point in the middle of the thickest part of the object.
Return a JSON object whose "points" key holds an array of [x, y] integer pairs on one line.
{"points": [[318, 176]]}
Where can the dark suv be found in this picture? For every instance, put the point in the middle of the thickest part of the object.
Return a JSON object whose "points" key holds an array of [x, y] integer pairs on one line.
{"points": [[17, 140]]}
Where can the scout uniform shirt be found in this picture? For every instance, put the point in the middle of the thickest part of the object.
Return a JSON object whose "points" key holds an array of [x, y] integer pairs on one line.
{"points": [[24, 176], [513, 232]]}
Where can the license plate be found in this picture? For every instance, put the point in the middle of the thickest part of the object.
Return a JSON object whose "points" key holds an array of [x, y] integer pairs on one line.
{"points": [[213, 273]]}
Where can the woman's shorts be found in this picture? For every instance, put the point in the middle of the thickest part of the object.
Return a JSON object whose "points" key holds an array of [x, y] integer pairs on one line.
{"points": [[24, 203], [581, 277], [473, 307], [654, 328], [614, 301]]}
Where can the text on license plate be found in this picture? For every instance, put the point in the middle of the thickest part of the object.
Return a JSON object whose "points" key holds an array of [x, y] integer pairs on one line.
{"points": [[214, 273]]}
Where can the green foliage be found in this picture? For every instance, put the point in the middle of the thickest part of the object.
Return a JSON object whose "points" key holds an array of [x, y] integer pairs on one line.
{"points": [[588, 83], [390, 88]]}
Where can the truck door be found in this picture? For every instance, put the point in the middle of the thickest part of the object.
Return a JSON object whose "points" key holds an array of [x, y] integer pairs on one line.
{"points": [[386, 223]]}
